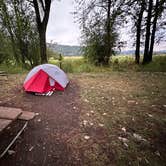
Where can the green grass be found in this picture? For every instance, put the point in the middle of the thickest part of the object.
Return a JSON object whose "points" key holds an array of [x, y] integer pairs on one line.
{"points": [[79, 65], [158, 64], [12, 69], [118, 63], [126, 63]]}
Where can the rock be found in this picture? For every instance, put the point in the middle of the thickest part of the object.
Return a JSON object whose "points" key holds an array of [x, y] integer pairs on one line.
{"points": [[123, 139], [92, 112], [85, 122], [104, 113], [87, 114], [131, 101], [124, 129], [150, 115], [138, 137], [39, 120], [125, 144], [87, 101], [26, 115], [101, 125], [86, 137], [157, 153], [91, 123]]}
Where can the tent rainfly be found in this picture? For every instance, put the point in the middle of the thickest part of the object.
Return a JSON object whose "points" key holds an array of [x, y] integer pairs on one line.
{"points": [[45, 78]]}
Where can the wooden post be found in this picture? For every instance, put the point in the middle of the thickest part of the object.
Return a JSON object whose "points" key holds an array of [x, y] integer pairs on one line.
{"points": [[60, 61]]}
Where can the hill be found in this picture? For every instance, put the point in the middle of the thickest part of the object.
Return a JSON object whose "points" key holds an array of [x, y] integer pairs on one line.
{"points": [[65, 49], [68, 50]]}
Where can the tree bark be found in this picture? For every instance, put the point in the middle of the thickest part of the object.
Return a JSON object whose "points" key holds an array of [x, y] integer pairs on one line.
{"points": [[43, 47], [108, 35], [138, 34], [42, 25], [146, 58], [158, 10]]}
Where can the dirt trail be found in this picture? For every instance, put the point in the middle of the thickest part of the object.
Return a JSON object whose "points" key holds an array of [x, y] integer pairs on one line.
{"points": [[45, 140]]}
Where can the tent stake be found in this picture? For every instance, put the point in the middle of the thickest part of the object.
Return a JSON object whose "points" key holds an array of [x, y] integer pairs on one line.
{"points": [[12, 142]]}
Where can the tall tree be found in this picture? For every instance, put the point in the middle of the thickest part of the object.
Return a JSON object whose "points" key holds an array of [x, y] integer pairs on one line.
{"points": [[100, 20], [138, 29], [158, 10], [42, 10], [148, 28]]}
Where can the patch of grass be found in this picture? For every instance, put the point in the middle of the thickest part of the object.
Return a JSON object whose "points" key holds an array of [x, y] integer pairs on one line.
{"points": [[118, 63], [79, 65], [12, 69], [122, 99], [157, 65]]}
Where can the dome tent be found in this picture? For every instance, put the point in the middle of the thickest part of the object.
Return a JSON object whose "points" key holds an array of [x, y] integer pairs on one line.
{"points": [[45, 78]]}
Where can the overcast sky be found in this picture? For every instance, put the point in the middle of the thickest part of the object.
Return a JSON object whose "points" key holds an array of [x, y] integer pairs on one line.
{"points": [[62, 28]]}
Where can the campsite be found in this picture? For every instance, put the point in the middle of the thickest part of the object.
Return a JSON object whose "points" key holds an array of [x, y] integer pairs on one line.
{"points": [[92, 122], [97, 102]]}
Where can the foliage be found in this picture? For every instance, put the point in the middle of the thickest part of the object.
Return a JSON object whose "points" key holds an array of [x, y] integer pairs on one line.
{"points": [[19, 33], [99, 21], [52, 54], [148, 25]]}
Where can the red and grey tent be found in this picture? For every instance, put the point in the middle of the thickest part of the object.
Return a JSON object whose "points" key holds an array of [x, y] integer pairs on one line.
{"points": [[45, 78]]}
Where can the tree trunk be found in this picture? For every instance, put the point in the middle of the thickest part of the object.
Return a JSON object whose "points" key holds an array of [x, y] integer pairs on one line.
{"points": [[108, 35], [146, 58], [43, 47], [138, 34], [45, 5], [154, 30]]}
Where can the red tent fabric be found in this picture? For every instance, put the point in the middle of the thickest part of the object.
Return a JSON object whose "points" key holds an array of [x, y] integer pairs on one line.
{"points": [[39, 82], [45, 78]]}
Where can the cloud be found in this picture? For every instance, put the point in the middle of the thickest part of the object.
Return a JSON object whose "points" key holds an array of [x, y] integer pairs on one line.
{"points": [[61, 27]]}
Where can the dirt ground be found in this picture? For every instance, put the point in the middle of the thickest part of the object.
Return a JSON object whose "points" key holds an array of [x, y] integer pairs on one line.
{"points": [[100, 119]]}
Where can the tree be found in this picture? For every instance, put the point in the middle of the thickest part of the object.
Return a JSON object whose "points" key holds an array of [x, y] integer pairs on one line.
{"points": [[155, 11], [146, 24], [148, 28], [158, 10], [19, 29], [99, 20], [42, 10], [138, 25]]}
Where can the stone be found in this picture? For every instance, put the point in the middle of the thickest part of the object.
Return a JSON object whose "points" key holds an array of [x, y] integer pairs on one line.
{"points": [[10, 113], [26, 115], [4, 123]]}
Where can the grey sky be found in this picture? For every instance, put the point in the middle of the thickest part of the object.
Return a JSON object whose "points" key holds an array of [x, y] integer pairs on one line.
{"points": [[63, 30], [61, 27]]}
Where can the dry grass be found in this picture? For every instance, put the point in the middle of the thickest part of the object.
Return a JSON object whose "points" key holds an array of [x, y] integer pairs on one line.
{"points": [[115, 106], [121, 105]]}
